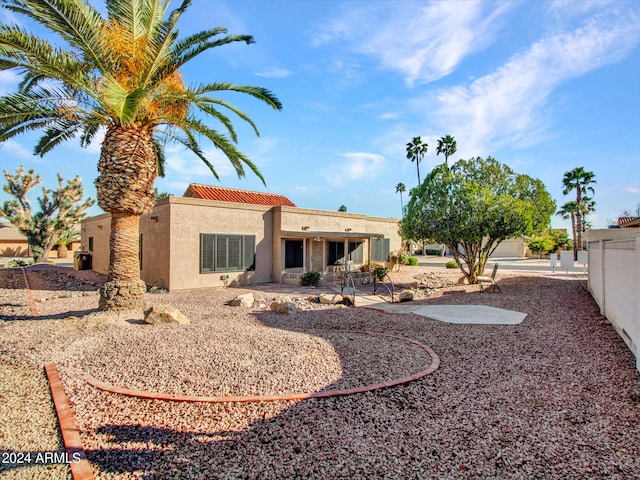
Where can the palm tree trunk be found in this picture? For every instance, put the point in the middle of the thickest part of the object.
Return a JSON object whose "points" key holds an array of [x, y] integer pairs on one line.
{"points": [[123, 290], [128, 169]]}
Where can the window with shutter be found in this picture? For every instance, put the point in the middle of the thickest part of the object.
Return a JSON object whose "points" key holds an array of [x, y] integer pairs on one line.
{"points": [[224, 253]]}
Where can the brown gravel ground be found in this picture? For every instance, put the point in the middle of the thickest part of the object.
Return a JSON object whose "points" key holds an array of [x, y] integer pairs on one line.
{"points": [[555, 397]]}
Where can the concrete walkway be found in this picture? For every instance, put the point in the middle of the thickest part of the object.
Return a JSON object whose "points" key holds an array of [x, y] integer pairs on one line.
{"points": [[463, 314]]}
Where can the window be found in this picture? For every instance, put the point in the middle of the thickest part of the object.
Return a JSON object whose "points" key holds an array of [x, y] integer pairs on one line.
{"points": [[225, 253], [336, 253], [90, 244], [293, 253], [380, 249], [356, 252]]}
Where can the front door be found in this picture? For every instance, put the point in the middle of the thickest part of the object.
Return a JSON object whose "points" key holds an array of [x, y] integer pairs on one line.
{"points": [[316, 263]]}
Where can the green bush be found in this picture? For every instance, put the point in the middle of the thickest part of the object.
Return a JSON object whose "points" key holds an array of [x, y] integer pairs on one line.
{"points": [[434, 251], [310, 279], [413, 261], [451, 264], [15, 263], [380, 272]]}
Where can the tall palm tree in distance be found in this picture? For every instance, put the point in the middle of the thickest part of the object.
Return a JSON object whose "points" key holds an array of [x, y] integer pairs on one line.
{"points": [[121, 73], [416, 150], [581, 181], [568, 212], [447, 146], [401, 188]]}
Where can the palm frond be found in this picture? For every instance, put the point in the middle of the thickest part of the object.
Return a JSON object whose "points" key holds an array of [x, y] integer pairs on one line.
{"points": [[76, 21], [61, 131]]}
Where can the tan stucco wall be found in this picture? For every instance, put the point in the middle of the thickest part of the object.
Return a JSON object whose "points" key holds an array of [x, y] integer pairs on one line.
{"points": [[98, 227], [190, 217], [155, 229], [14, 249], [611, 234], [511, 247]]}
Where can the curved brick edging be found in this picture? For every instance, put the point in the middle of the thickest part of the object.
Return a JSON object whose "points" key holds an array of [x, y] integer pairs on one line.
{"points": [[32, 303], [435, 364], [80, 468]]}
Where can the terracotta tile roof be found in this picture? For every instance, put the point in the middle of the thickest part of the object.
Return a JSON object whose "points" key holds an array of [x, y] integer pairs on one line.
{"points": [[629, 222], [208, 192]]}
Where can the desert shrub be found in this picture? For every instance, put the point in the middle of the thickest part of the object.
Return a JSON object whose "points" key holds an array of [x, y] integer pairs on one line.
{"points": [[401, 256], [16, 263], [380, 271], [413, 261], [374, 266], [451, 264], [310, 279]]}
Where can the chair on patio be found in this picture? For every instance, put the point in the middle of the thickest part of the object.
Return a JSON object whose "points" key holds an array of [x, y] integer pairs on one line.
{"points": [[490, 279]]}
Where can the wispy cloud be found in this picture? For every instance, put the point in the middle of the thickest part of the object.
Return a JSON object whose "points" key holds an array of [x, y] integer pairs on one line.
{"points": [[275, 73], [634, 190], [358, 165], [509, 105], [8, 81], [16, 150], [424, 42]]}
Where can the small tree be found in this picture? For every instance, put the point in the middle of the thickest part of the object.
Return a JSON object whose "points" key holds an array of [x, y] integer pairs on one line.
{"points": [[541, 245], [343, 208], [59, 210], [474, 205]]}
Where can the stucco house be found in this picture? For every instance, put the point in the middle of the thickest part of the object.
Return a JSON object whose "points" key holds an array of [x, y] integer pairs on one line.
{"points": [[12, 242], [215, 236]]}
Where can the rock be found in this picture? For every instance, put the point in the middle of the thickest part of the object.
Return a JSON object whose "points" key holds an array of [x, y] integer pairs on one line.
{"points": [[244, 300], [159, 314], [330, 299], [406, 296], [284, 305]]}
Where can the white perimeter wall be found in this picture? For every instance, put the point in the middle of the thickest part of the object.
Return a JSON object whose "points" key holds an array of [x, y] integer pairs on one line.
{"points": [[614, 283]]}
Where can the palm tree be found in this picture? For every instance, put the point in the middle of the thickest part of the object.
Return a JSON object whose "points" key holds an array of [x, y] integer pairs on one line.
{"points": [[401, 188], [447, 146], [415, 152], [569, 211], [122, 73], [579, 180]]}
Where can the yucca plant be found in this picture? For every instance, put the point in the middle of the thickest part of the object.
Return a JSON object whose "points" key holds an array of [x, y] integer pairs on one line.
{"points": [[121, 73]]}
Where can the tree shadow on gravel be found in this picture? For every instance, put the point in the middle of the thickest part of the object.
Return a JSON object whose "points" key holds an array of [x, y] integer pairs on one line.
{"points": [[553, 397]]}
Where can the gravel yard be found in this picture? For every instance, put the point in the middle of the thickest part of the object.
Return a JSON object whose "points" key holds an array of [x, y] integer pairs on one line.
{"points": [[557, 396]]}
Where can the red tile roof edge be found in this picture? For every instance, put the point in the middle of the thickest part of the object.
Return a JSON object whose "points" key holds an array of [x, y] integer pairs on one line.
{"points": [[223, 194]]}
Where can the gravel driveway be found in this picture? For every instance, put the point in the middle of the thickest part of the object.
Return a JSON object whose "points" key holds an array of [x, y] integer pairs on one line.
{"points": [[557, 396]]}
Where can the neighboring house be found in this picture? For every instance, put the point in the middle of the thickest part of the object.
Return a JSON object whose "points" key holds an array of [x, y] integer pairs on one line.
{"points": [[12, 242], [214, 236], [627, 222], [509, 248]]}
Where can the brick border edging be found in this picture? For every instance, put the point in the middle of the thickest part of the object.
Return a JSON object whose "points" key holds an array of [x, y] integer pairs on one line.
{"points": [[435, 364], [32, 303], [80, 470]]}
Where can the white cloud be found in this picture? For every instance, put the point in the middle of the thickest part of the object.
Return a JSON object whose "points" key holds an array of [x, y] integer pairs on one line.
{"points": [[8, 81], [275, 73], [15, 150], [424, 42], [358, 165], [634, 190], [509, 104]]}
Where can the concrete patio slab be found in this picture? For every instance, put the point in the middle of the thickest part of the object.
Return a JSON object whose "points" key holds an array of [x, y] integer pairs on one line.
{"points": [[463, 314]]}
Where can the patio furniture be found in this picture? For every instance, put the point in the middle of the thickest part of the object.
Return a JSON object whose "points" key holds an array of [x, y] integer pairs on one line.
{"points": [[491, 279]]}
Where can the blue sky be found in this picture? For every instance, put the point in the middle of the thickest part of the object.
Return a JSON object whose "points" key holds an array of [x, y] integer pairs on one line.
{"points": [[541, 86]]}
